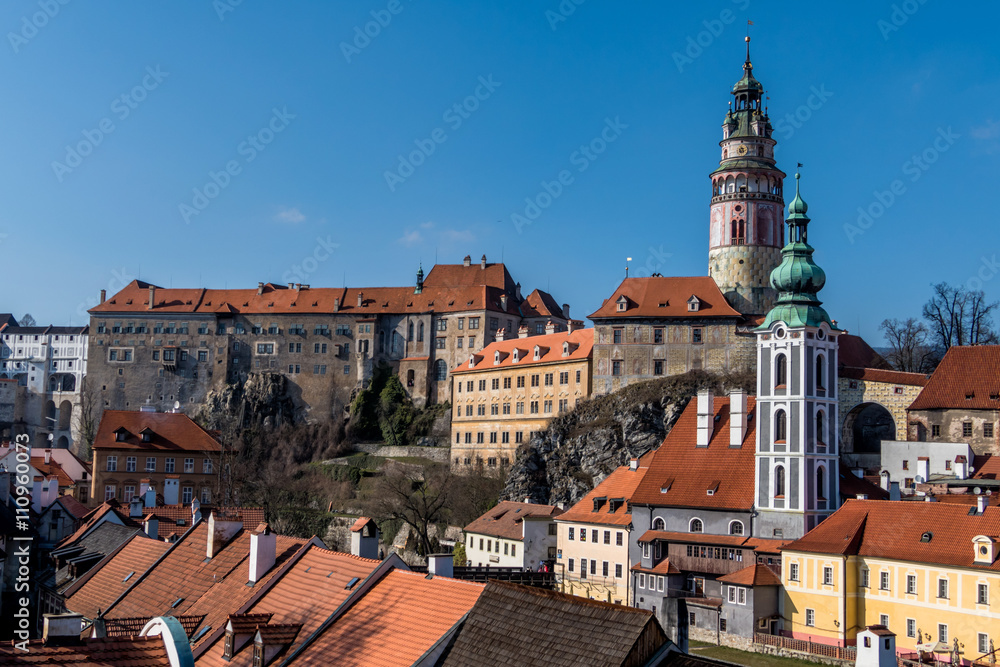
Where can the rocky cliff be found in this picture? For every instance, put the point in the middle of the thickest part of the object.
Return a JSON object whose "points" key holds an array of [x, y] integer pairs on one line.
{"points": [[262, 399], [581, 448]]}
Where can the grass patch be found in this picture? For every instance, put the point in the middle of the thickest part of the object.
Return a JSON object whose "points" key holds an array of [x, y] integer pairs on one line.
{"points": [[746, 658]]}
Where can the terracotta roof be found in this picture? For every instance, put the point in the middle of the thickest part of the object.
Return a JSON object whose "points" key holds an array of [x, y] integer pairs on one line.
{"points": [[169, 515], [618, 486], [581, 344], [666, 298], [103, 583], [663, 567], [854, 352], [518, 625], [968, 378], [505, 520], [851, 485], [686, 471], [986, 466], [893, 530], [358, 525], [394, 623], [459, 275], [247, 623], [752, 575], [171, 432], [884, 376], [132, 651], [966, 499], [108, 511], [73, 506], [541, 304], [130, 627], [305, 594], [278, 634], [52, 469]]}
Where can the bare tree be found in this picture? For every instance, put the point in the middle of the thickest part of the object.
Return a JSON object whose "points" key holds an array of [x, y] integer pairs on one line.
{"points": [[27, 320], [910, 349], [88, 419], [418, 499], [959, 316]]}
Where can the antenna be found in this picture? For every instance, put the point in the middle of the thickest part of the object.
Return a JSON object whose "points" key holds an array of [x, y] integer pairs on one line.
{"points": [[627, 260]]}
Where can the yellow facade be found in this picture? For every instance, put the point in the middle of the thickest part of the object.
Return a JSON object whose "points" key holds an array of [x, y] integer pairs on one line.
{"points": [[609, 549], [941, 603]]}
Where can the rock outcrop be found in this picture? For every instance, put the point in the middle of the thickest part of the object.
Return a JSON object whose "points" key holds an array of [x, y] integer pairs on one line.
{"points": [[581, 448], [262, 399]]}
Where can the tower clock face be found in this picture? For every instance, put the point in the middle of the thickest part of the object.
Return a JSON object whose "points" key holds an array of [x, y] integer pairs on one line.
{"points": [[742, 150]]}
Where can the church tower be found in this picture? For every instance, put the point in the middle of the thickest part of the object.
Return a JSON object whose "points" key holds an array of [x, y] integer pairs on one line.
{"points": [[797, 474], [746, 233]]}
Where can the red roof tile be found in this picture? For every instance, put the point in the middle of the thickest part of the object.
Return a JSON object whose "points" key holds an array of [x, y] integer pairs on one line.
{"points": [[581, 345], [52, 469], [665, 298], [620, 484], [505, 520], [752, 575], [884, 376], [663, 567], [131, 651], [170, 432], [459, 275], [540, 304], [358, 525], [968, 378], [77, 509], [106, 581], [108, 511], [986, 466], [854, 352]]}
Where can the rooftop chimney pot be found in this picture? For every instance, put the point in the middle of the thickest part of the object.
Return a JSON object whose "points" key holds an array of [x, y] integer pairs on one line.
{"points": [[706, 416], [104, 295], [152, 297]]}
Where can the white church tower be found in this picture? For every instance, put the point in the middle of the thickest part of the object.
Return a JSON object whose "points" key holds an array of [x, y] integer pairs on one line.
{"points": [[797, 475]]}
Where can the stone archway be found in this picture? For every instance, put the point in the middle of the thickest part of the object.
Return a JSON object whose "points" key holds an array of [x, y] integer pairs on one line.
{"points": [[865, 426], [65, 415]]}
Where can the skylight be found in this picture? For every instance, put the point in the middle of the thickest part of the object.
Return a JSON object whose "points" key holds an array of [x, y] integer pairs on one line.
{"points": [[128, 576], [351, 583]]}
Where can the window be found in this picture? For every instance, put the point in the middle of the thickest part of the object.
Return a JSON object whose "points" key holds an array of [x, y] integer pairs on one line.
{"points": [[605, 571], [696, 335], [865, 583], [828, 576], [583, 534], [188, 465], [262, 348], [617, 336], [569, 565], [943, 632], [657, 335], [646, 552], [780, 426], [618, 538], [691, 618], [607, 537], [618, 570], [109, 492], [793, 572], [983, 594], [202, 355], [911, 627], [150, 464], [820, 483], [571, 533], [439, 342], [658, 367], [112, 465], [911, 584], [811, 617], [967, 429], [206, 466], [780, 371], [883, 619], [883, 582], [130, 464], [187, 494], [583, 568], [936, 430], [168, 464], [616, 367], [696, 526], [578, 377], [779, 481], [736, 528], [943, 588], [473, 322], [983, 642], [987, 430], [820, 428]]}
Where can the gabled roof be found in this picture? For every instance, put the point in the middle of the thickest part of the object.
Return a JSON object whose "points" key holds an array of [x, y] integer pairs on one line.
{"points": [[968, 378], [752, 575], [52, 469], [663, 567], [132, 651], [96, 590], [893, 530], [541, 304], [172, 432], [680, 473], [661, 297], [506, 520], [581, 344], [176, 519], [105, 512], [519, 625], [615, 493], [75, 508], [459, 275]]}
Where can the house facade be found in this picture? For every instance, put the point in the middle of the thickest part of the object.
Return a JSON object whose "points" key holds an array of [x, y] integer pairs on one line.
{"points": [[522, 535]]}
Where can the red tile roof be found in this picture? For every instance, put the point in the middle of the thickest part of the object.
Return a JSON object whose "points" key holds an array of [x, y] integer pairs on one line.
{"points": [[851, 485], [131, 651], [171, 432], [506, 519], [169, 515], [541, 304], [77, 509], [986, 466], [102, 584], [581, 346], [968, 378], [666, 298], [893, 530], [459, 275], [394, 623], [52, 469], [854, 352], [884, 376], [361, 522], [752, 575], [620, 484], [663, 567], [686, 471], [109, 511]]}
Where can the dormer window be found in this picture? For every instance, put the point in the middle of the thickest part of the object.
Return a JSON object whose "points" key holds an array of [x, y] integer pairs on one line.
{"points": [[622, 304], [496, 358], [121, 435], [147, 435], [599, 503], [537, 353], [984, 548], [565, 350], [694, 304], [258, 655]]}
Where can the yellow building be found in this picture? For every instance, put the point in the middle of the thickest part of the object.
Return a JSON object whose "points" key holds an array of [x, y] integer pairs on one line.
{"points": [[927, 571], [513, 389], [593, 538]]}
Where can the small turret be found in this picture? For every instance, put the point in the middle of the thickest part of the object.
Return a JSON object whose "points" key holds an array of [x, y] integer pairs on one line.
{"points": [[420, 280]]}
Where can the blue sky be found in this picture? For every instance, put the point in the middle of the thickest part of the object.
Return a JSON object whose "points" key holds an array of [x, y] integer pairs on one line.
{"points": [[254, 139]]}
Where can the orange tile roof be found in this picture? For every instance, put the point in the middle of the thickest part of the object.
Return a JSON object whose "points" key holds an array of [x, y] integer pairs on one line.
{"points": [[663, 567], [394, 623], [132, 651], [752, 575], [666, 298], [505, 520], [459, 275], [103, 583], [884, 376], [581, 344], [95, 517], [986, 466], [51, 469], [968, 378], [621, 483], [169, 515], [541, 304], [73, 506], [892, 530], [171, 432], [306, 594], [686, 471], [361, 522], [854, 352]]}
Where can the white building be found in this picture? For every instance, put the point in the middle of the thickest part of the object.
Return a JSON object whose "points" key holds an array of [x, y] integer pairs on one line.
{"points": [[48, 364], [911, 463], [513, 535]]}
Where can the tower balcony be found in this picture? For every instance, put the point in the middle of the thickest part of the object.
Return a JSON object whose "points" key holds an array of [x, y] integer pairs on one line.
{"points": [[748, 196]]}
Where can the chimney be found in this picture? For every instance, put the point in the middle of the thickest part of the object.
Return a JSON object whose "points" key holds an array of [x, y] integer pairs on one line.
{"points": [[566, 310], [633, 464], [135, 508], [862, 496], [893, 490], [152, 297], [62, 629], [550, 327], [48, 456], [170, 488], [527, 500], [150, 497], [960, 467], [503, 302], [858, 472], [299, 286], [522, 331], [260, 288], [195, 511], [980, 504], [441, 565], [883, 479], [143, 485], [706, 416], [104, 295], [467, 261], [482, 262], [336, 305], [361, 299], [220, 531], [517, 291], [151, 526], [291, 285], [737, 417], [263, 552]]}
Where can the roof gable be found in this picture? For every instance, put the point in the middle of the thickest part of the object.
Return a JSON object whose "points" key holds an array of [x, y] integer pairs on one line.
{"points": [[968, 378], [659, 297]]}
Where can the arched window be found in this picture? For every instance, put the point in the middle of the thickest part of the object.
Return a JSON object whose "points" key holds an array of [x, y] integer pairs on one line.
{"points": [[820, 383], [821, 483], [658, 524], [409, 332], [696, 526], [779, 482], [820, 427], [441, 370], [780, 426], [736, 528], [780, 371], [420, 333]]}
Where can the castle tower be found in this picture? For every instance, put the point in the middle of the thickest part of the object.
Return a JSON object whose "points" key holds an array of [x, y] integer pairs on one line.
{"points": [[746, 231], [797, 475]]}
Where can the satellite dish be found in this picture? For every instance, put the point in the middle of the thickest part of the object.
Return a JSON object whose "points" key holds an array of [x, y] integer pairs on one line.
{"points": [[989, 493], [177, 405], [977, 490]]}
